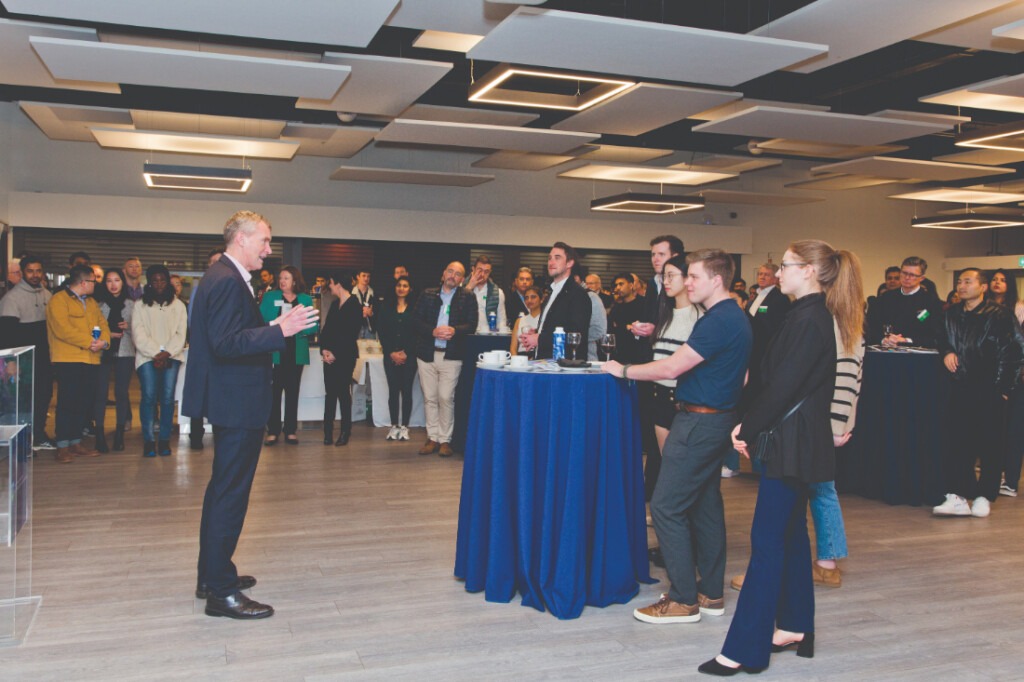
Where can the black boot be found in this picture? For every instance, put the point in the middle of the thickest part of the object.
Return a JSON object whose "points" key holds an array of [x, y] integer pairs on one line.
{"points": [[101, 442], [342, 439], [118, 445]]}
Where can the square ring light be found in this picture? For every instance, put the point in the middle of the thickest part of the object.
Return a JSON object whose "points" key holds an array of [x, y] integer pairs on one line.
{"points": [[494, 89]]}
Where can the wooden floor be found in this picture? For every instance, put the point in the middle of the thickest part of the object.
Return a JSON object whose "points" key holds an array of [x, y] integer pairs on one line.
{"points": [[354, 547]]}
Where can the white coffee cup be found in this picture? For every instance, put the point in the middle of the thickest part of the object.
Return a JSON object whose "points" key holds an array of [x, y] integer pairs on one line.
{"points": [[519, 361], [499, 357]]}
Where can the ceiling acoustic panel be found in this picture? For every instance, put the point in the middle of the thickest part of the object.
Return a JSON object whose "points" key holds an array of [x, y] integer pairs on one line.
{"points": [[71, 122], [818, 126], [447, 41], [340, 142], [952, 120], [434, 112], [987, 157], [185, 143], [725, 196], [737, 106], [727, 164], [403, 176], [645, 107], [961, 195], [478, 136], [190, 69], [978, 31], [644, 174], [852, 29], [972, 96], [329, 22], [19, 64], [824, 150], [902, 169], [379, 85], [456, 16], [597, 44], [619, 154], [1010, 86], [838, 181], [522, 161], [206, 124]]}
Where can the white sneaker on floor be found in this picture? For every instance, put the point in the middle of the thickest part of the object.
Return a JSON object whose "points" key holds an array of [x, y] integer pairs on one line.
{"points": [[953, 506], [981, 508], [1007, 490], [403, 433], [393, 433], [729, 473]]}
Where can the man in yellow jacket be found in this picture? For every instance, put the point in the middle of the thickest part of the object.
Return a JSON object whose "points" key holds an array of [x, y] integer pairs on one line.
{"points": [[72, 318]]}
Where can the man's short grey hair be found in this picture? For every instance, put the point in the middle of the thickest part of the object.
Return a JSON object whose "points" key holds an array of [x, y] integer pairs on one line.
{"points": [[244, 222], [768, 265]]}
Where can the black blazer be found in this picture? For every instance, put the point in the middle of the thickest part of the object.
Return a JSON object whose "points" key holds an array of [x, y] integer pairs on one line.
{"points": [[765, 325], [228, 373], [570, 310], [341, 330]]}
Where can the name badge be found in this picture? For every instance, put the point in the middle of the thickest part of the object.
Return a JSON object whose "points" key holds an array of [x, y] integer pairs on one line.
{"points": [[762, 309], [923, 315]]}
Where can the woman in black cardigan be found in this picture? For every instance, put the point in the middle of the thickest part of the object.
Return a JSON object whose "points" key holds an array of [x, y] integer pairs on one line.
{"points": [[398, 340], [339, 351], [775, 611]]}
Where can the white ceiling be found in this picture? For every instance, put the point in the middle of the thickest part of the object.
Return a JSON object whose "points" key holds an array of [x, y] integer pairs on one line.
{"points": [[566, 40]]}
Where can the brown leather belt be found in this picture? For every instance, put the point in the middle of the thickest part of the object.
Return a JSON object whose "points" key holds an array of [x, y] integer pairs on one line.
{"points": [[699, 409]]}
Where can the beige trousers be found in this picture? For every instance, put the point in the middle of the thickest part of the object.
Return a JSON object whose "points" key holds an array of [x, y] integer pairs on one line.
{"points": [[438, 380]]}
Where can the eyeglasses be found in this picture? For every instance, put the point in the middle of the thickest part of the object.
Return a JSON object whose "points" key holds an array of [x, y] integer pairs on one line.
{"points": [[910, 275], [669, 276], [783, 265]]}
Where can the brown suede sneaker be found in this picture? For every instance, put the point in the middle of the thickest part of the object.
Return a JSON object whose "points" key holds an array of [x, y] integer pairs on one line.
{"points": [[65, 455], [829, 577], [445, 450], [667, 611], [711, 607], [737, 582], [429, 448]]}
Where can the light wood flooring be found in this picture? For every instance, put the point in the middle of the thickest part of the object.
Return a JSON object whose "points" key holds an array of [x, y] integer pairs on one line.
{"points": [[355, 546]]}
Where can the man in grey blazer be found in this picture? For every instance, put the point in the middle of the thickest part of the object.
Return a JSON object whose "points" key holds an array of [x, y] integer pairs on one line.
{"points": [[228, 381]]}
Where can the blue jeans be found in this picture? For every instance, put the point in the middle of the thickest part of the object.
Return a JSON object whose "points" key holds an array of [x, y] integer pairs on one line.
{"points": [[828, 521], [157, 383]]}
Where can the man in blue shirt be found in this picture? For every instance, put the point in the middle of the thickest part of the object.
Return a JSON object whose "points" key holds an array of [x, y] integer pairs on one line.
{"points": [[689, 517]]}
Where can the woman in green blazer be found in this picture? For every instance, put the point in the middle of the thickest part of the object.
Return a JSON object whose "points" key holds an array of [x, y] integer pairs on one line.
{"points": [[288, 364]]}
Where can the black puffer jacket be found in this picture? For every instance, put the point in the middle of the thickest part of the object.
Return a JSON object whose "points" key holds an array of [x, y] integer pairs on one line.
{"points": [[985, 343]]}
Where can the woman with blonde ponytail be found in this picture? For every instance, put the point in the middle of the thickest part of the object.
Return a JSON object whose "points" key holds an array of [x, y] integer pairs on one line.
{"points": [[775, 611]]}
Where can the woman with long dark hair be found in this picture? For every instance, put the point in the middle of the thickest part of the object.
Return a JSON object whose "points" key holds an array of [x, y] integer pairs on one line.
{"points": [[339, 351], [159, 323], [398, 340], [775, 611], [288, 364], [118, 360], [533, 299], [1002, 289]]}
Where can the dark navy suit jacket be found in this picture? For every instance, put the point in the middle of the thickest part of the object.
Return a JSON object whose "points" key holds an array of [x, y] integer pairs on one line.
{"points": [[228, 373]]}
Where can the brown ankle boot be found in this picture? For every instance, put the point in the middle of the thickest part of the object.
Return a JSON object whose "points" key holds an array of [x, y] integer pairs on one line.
{"points": [[829, 577], [64, 455], [79, 450]]}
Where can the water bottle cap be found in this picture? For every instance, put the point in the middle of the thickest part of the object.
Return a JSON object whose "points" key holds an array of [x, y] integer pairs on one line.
{"points": [[559, 329]]}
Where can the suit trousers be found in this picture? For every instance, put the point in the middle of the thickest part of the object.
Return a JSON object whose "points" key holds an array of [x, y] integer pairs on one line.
{"points": [[438, 380], [689, 517], [76, 391], [287, 378], [236, 452], [778, 589]]}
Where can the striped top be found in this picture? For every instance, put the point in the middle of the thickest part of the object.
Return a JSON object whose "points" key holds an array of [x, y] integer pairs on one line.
{"points": [[674, 335], [849, 372]]}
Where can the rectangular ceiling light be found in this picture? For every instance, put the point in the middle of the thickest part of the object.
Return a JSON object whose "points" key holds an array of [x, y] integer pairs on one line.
{"points": [[961, 196], [635, 202], [494, 88], [1009, 137], [966, 222], [645, 174], [183, 143], [160, 176]]}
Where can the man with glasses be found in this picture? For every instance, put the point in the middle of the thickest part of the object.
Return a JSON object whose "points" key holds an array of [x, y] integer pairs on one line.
{"points": [[71, 316], [909, 315]]}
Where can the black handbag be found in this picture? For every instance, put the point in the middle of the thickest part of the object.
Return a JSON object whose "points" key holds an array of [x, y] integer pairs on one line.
{"points": [[763, 449]]}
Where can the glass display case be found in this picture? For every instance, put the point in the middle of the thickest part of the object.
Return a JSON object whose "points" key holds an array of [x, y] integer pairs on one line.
{"points": [[18, 606]]}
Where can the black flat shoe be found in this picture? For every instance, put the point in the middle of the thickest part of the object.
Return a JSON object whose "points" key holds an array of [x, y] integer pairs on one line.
{"points": [[291, 440], [271, 441], [804, 647], [245, 582], [713, 667], [237, 606]]}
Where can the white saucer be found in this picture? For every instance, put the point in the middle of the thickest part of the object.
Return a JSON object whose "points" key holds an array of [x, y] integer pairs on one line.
{"points": [[488, 365]]}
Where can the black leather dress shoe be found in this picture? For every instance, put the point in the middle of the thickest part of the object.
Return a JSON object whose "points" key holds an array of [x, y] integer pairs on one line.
{"points": [[237, 606], [342, 439], [245, 582]]}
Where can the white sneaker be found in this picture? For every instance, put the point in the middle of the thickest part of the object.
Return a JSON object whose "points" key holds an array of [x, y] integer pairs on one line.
{"points": [[729, 473], [1007, 490], [982, 507], [403, 433], [953, 506], [393, 433]]}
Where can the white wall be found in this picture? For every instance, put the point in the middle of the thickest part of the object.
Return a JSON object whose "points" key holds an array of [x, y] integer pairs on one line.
{"points": [[80, 185]]}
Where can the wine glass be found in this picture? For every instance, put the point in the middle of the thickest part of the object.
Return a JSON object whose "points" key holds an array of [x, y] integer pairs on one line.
{"points": [[608, 345], [573, 340]]}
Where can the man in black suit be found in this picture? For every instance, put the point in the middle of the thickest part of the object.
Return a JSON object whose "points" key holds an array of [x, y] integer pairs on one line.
{"points": [[228, 381], [568, 306]]}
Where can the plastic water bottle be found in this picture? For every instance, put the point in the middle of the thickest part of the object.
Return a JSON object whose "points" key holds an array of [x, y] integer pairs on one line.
{"points": [[95, 333], [558, 344], [492, 321]]}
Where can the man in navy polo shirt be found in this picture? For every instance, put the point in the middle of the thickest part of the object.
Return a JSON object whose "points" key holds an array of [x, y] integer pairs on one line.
{"points": [[689, 517]]}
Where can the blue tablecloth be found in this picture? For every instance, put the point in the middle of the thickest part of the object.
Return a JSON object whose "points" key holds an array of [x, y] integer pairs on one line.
{"points": [[898, 445], [475, 344], [552, 499]]}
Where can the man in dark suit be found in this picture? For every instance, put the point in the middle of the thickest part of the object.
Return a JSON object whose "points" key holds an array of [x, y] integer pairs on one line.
{"points": [[515, 302], [568, 306], [228, 381]]}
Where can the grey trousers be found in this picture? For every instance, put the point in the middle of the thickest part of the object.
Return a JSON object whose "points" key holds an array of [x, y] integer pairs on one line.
{"points": [[687, 509]]}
